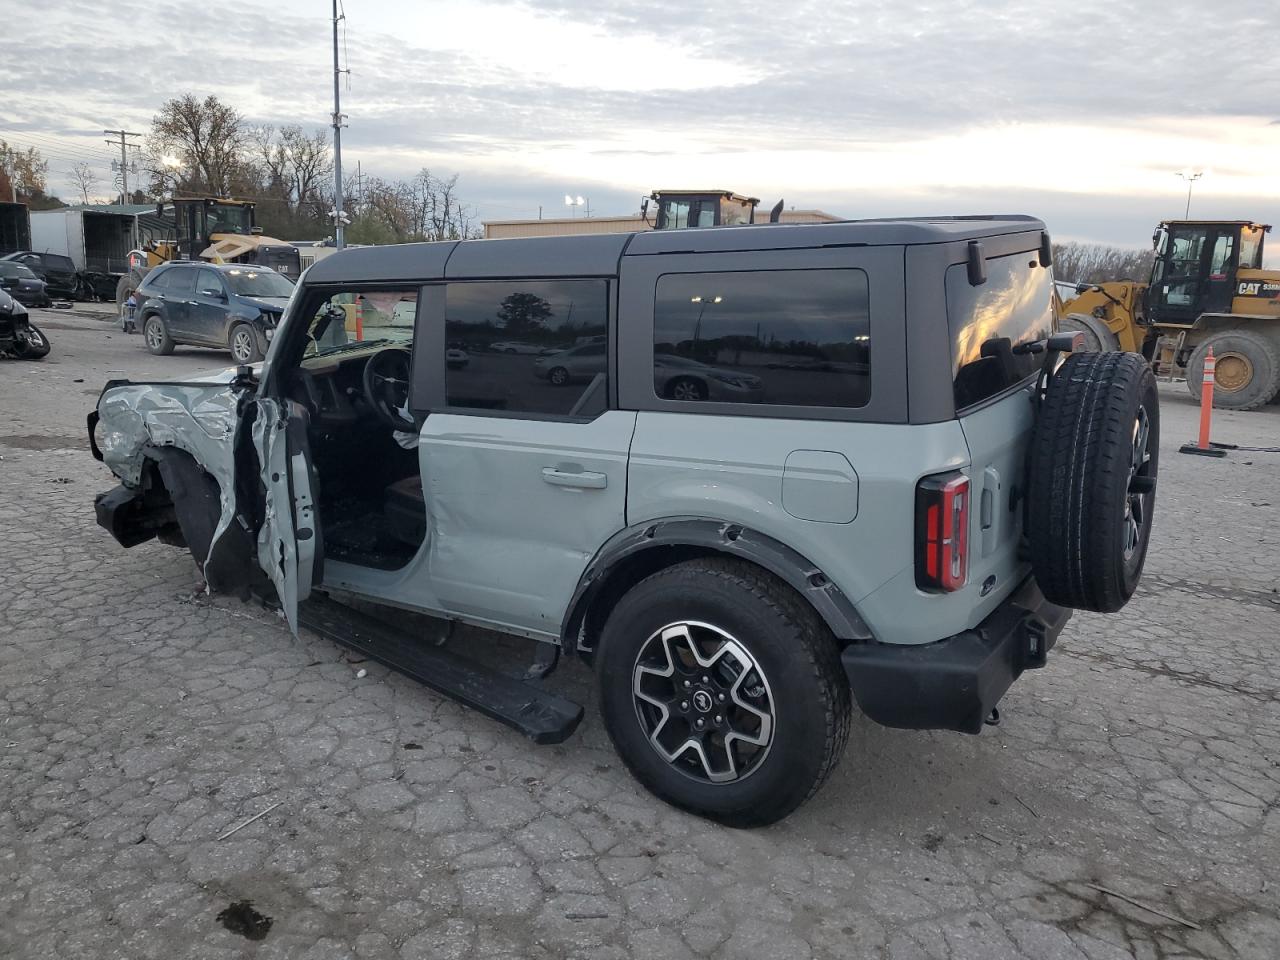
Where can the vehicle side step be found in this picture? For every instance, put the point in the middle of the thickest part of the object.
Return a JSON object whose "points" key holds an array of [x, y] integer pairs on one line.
{"points": [[542, 717]]}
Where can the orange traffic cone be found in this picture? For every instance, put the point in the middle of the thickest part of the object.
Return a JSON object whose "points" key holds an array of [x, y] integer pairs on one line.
{"points": [[1203, 448], [359, 317]]}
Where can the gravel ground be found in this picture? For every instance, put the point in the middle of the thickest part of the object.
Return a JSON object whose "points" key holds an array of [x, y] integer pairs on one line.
{"points": [[140, 721]]}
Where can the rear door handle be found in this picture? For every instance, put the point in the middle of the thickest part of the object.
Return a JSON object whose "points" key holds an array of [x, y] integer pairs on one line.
{"points": [[585, 479]]}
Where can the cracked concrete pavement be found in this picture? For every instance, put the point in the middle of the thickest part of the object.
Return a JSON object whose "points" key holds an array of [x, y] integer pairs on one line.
{"points": [[140, 721]]}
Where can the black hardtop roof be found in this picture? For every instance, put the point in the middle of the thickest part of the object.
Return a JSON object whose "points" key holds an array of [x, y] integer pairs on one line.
{"points": [[598, 254]]}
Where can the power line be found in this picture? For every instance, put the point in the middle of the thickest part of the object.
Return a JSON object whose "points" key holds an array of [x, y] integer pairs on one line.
{"points": [[52, 148]]}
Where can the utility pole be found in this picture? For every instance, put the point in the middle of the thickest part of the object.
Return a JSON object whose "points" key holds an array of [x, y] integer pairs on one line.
{"points": [[124, 145], [339, 231]]}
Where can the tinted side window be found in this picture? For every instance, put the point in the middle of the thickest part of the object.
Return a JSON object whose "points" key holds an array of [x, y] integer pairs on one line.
{"points": [[1014, 306], [158, 280], [180, 281], [797, 337], [209, 281], [524, 341]]}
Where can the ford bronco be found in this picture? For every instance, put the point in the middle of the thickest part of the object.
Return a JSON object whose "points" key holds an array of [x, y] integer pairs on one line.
{"points": [[755, 475]]}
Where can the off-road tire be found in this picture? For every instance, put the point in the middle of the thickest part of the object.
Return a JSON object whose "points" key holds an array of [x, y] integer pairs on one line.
{"points": [[1097, 337], [809, 692], [254, 353], [125, 286], [1085, 551], [1260, 352], [159, 343]]}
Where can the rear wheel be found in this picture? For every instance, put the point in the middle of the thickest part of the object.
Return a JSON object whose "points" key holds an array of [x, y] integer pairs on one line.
{"points": [[1094, 460], [558, 376], [244, 344], [157, 336], [1247, 369], [722, 691]]}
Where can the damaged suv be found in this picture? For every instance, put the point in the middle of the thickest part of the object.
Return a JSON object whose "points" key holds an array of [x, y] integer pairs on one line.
{"points": [[812, 465]]}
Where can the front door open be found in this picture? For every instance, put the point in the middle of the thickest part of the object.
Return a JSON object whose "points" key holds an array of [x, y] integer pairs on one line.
{"points": [[289, 545]]}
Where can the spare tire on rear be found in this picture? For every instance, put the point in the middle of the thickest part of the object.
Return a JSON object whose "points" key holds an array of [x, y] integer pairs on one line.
{"points": [[1094, 459]]}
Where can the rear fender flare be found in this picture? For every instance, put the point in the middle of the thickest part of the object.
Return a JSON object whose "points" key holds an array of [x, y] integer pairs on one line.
{"points": [[692, 536]]}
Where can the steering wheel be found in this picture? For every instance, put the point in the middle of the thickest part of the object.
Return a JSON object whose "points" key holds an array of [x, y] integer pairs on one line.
{"points": [[386, 387]]}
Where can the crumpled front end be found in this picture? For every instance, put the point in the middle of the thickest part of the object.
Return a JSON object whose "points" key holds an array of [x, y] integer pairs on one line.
{"points": [[142, 432]]}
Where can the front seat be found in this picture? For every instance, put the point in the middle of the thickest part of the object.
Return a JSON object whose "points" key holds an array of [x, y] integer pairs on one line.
{"points": [[406, 511]]}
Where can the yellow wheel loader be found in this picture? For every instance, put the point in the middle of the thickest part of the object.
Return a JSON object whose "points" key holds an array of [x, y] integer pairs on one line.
{"points": [[213, 229], [1207, 290]]}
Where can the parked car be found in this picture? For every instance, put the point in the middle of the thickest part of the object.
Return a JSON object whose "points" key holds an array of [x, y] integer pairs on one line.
{"points": [[230, 306], [455, 357], [573, 365], [23, 285], [515, 346], [681, 378], [57, 271], [907, 529]]}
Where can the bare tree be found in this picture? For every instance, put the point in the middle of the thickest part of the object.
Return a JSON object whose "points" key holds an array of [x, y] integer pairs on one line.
{"points": [[199, 146], [1098, 263], [84, 179]]}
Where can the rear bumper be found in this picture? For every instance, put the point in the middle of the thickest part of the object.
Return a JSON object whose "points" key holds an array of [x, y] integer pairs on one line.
{"points": [[955, 683]]}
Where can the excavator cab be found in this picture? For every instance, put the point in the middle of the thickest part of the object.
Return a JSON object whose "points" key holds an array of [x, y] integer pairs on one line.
{"points": [[1197, 266], [678, 209]]}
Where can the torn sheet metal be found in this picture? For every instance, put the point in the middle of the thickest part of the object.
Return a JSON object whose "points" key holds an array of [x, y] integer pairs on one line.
{"points": [[198, 417]]}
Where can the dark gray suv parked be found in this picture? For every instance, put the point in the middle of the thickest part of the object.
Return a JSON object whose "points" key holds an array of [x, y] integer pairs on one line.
{"points": [[232, 306], [754, 474]]}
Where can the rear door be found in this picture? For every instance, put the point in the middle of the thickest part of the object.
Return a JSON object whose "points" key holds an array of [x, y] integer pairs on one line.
{"points": [[524, 479], [179, 297]]}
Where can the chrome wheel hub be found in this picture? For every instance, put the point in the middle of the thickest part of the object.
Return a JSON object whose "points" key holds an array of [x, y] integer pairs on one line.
{"points": [[703, 702]]}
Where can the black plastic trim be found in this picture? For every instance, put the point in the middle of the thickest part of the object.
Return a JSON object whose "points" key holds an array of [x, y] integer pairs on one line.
{"points": [[955, 683], [719, 536]]}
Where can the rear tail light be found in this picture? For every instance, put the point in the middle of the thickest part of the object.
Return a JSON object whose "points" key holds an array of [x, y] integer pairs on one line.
{"points": [[942, 532]]}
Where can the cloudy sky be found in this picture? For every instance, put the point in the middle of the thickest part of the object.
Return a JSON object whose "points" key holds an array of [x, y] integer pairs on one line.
{"points": [[1077, 112]]}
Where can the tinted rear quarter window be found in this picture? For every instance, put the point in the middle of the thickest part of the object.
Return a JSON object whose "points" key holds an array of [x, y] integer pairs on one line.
{"points": [[1014, 307], [790, 337], [53, 261]]}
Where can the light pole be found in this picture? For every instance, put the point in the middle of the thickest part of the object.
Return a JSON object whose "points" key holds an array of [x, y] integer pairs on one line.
{"points": [[1191, 177], [702, 306], [572, 203]]}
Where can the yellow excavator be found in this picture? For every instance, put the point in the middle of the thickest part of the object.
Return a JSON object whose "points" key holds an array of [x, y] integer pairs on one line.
{"points": [[1207, 290], [213, 229]]}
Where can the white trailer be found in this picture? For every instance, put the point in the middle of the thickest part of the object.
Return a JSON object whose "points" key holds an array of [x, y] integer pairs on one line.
{"points": [[96, 238]]}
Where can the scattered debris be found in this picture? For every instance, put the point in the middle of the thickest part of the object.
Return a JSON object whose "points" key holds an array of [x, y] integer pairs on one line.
{"points": [[361, 673], [1145, 906], [256, 816], [987, 836], [1030, 809], [931, 841], [586, 916], [78, 380], [413, 746], [59, 480], [240, 917]]}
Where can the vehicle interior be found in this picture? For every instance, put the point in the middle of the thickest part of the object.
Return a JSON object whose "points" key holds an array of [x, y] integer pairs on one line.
{"points": [[353, 378]]}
